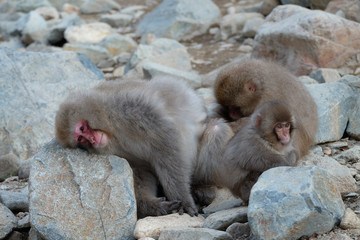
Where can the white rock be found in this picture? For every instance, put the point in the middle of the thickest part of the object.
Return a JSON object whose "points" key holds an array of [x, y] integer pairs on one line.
{"points": [[91, 33], [152, 226]]}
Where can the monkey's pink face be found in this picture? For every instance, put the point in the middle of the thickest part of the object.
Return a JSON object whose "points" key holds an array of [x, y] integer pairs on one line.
{"points": [[85, 136], [282, 131]]}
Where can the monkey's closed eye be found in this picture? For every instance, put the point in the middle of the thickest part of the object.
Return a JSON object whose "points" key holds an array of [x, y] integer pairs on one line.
{"points": [[79, 138], [82, 128]]}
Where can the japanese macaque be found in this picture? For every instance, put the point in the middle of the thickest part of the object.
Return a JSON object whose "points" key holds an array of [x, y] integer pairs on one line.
{"points": [[211, 148], [241, 88], [266, 141], [156, 125]]}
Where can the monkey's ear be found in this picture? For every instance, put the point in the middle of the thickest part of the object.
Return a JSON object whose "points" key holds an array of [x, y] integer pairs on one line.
{"points": [[250, 86], [258, 120]]}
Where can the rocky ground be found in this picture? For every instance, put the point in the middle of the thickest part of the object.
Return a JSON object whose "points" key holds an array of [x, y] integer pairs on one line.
{"points": [[220, 44]]}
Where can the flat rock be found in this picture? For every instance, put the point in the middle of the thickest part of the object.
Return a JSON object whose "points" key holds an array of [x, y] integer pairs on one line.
{"points": [[152, 226], [223, 219], [193, 233]]}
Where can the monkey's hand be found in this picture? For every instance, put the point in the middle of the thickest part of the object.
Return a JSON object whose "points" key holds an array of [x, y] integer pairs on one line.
{"points": [[191, 210], [163, 207]]}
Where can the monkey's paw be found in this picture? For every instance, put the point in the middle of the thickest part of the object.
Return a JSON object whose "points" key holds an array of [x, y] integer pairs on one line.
{"points": [[191, 210], [163, 207]]}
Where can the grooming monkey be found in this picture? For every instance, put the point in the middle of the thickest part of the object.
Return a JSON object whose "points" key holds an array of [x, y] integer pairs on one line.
{"points": [[235, 162], [241, 88], [155, 125]]}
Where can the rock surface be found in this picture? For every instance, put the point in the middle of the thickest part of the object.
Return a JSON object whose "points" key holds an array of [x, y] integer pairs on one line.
{"points": [[316, 38], [308, 193], [75, 195], [152, 226], [27, 109], [193, 233], [7, 221]]}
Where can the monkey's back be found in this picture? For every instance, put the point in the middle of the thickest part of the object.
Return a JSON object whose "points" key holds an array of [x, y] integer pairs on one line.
{"points": [[155, 112]]}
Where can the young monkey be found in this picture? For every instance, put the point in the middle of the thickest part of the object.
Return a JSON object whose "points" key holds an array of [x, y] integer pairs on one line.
{"points": [[266, 141]]}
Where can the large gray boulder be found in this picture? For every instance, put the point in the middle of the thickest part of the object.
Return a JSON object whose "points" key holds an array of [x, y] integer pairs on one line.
{"points": [[32, 85], [179, 19], [76, 195], [291, 202], [304, 40]]}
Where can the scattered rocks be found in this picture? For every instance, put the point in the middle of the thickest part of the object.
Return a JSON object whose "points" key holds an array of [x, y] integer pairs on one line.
{"points": [[77, 195], [245, 23], [308, 194], [190, 40], [179, 19]]}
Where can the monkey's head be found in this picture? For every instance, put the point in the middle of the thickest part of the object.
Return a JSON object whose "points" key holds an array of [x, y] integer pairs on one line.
{"points": [[77, 125], [275, 123], [238, 90]]}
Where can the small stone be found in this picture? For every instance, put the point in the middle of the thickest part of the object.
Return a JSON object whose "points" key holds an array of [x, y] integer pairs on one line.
{"points": [[152, 226], [48, 13], [327, 151], [91, 33], [350, 220], [239, 230], [69, 8], [119, 71], [223, 219]]}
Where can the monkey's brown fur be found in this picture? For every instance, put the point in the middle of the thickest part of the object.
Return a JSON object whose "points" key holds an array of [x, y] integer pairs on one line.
{"points": [[256, 148], [250, 83]]}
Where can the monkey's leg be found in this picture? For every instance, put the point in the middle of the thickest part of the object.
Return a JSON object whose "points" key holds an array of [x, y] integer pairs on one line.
{"points": [[175, 180], [147, 201], [246, 186]]}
